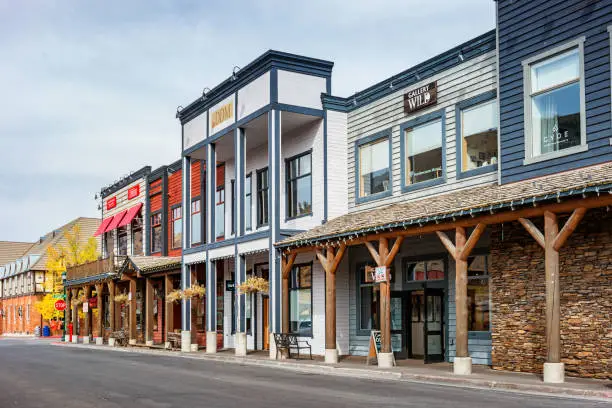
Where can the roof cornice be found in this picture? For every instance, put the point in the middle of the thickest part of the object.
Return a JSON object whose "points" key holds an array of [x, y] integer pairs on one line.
{"points": [[141, 173]]}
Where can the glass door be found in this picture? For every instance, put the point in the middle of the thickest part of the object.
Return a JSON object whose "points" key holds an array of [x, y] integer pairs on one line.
{"points": [[434, 325], [398, 325]]}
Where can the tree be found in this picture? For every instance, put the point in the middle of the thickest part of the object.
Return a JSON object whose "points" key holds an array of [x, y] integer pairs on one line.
{"points": [[76, 251]]}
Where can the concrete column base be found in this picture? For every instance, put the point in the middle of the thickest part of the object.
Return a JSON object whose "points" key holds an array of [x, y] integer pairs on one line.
{"points": [[75, 339], [462, 366], [385, 360], [272, 347], [132, 342], [99, 341], [331, 356], [67, 338], [85, 339], [149, 342], [186, 341], [167, 345], [554, 373], [111, 342], [194, 347], [211, 342], [241, 344]]}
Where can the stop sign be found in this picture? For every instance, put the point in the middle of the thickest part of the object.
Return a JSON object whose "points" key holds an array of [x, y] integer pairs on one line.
{"points": [[60, 305]]}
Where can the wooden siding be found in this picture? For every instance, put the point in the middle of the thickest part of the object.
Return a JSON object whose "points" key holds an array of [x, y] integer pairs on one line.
{"points": [[175, 197], [196, 178], [337, 177], [530, 28], [470, 79], [155, 196]]}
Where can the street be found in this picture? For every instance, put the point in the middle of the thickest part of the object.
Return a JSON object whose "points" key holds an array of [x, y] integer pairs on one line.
{"points": [[36, 374]]}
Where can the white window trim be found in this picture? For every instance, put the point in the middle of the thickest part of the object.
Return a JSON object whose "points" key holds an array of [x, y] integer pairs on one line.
{"points": [[582, 147]]}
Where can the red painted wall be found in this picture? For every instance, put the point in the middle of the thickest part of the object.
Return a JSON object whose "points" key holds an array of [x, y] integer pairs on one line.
{"points": [[175, 197]]}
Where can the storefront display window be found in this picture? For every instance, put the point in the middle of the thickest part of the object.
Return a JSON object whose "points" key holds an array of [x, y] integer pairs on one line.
{"points": [[478, 293], [427, 270], [300, 300], [424, 153]]}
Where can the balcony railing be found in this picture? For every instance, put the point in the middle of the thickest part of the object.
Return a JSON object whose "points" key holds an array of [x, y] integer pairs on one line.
{"points": [[105, 265]]}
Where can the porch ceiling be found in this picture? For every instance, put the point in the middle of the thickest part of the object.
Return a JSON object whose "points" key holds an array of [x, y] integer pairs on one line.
{"points": [[477, 201]]}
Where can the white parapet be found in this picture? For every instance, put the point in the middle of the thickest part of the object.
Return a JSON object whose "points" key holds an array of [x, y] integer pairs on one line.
{"points": [[211, 342], [462, 365], [554, 373]]}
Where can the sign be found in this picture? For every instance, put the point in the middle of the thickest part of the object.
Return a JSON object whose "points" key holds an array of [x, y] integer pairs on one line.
{"points": [[222, 114], [85, 307], [230, 285], [421, 97], [111, 203], [375, 346], [93, 302], [377, 274], [134, 191], [59, 296], [380, 274], [60, 305]]}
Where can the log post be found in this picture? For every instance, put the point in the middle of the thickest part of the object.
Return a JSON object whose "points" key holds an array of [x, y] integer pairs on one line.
{"points": [[111, 305], [132, 311], [101, 312], [75, 316], [67, 314], [87, 316], [169, 309], [149, 311]]}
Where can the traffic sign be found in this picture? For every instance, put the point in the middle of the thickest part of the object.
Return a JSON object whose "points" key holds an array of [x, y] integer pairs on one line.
{"points": [[60, 305]]}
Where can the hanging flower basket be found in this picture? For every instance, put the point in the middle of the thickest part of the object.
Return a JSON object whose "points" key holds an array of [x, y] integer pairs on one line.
{"points": [[122, 298], [174, 297], [254, 284], [194, 292]]}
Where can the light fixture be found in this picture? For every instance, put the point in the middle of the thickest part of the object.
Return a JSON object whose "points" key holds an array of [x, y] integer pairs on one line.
{"points": [[355, 100], [417, 76], [461, 58], [205, 91], [391, 87], [178, 110], [236, 69]]}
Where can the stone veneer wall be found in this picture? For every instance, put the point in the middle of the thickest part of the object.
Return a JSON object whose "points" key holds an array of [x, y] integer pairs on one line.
{"points": [[518, 298]]}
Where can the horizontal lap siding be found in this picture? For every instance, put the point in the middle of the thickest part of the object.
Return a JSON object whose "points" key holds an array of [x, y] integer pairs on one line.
{"points": [[155, 196], [530, 28], [175, 197], [465, 81], [337, 173], [196, 179]]}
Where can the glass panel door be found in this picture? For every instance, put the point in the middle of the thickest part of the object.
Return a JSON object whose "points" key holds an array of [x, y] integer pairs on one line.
{"points": [[434, 325], [398, 326]]}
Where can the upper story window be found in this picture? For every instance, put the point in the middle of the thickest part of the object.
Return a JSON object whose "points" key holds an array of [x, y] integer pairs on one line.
{"points": [[262, 197], [177, 227], [555, 122], [196, 221], [109, 243], [220, 212], [233, 204], [248, 202], [156, 233], [122, 238], [479, 135], [299, 185], [137, 236], [374, 167], [423, 153]]}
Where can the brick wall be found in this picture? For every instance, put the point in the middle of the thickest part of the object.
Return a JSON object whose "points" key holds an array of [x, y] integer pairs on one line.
{"points": [[518, 298], [11, 322]]}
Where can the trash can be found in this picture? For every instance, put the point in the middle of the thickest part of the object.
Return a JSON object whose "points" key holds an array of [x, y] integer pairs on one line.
{"points": [[37, 331], [46, 331]]}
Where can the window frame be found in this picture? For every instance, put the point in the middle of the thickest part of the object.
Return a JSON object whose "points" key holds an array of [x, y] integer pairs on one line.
{"points": [[122, 232], [248, 181], [258, 190], [420, 121], [172, 220], [191, 212], [459, 108], [151, 229], [481, 334], [372, 139], [233, 209], [577, 43], [134, 228], [289, 180], [293, 268], [218, 202]]}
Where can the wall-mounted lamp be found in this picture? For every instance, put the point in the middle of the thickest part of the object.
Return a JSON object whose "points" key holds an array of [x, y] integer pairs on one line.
{"points": [[234, 71], [417, 76], [460, 56], [355, 100], [391, 87], [205, 91]]}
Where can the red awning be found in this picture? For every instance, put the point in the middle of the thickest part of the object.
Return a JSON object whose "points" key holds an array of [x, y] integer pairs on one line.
{"points": [[116, 220], [131, 213], [103, 226]]}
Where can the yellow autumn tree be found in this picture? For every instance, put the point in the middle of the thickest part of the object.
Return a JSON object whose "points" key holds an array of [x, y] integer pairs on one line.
{"points": [[74, 252]]}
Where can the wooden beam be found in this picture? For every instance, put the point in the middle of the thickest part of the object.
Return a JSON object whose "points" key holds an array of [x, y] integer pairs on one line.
{"points": [[168, 307], [373, 252], [288, 264], [394, 251], [88, 315], [337, 258], [553, 292], [461, 309], [132, 308], [569, 227], [533, 231], [448, 244], [100, 302], [322, 259], [111, 305], [148, 310], [472, 241]]}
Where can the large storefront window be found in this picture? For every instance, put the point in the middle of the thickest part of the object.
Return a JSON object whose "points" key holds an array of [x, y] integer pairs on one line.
{"points": [[300, 300], [422, 271], [478, 293], [299, 186], [479, 135], [369, 297], [423, 159], [374, 168]]}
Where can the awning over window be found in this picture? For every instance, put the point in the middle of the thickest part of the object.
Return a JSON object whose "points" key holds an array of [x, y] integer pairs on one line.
{"points": [[116, 220], [131, 213], [103, 225]]}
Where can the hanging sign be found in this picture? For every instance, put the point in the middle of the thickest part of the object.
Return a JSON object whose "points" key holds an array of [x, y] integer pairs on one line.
{"points": [[60, 305], [380, 274], [85, 307], [421, 97], [111, 203], [134, 191]]}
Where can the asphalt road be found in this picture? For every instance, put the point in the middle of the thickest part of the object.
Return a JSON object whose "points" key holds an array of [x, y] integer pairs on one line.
{"points": [[34, 373]]}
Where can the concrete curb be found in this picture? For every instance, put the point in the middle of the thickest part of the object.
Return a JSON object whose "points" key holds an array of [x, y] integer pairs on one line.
{"points": [[370, 374]]}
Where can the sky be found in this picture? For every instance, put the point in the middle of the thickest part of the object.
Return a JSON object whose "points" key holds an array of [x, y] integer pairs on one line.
{"points": [[89, 89]]}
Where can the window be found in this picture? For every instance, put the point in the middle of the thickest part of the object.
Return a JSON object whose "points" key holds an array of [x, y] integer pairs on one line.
{"points": [[196, 221], [478, 293], [369, 297], [262, 197], [109, 243], [177, 227], [233, 210], [220, 212], [156, 233], [300, 300], [479, 135], [122, 238], [427, 270], [137, 236], [374, 168], [299, 185], [423, 150], [248, 203], [554, 103]]}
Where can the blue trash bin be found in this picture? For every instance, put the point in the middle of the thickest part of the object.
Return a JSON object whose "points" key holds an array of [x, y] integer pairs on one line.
{"points": [[46, 331]]}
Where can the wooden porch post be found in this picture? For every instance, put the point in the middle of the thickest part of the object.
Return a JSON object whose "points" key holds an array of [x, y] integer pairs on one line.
{"points": [[88, 315], [132, 310], [552, 241], [460, 252], [287, 265], [75, 316], [101, 312], [169, 309], [111, 305], [68, 314], [149, 311]]}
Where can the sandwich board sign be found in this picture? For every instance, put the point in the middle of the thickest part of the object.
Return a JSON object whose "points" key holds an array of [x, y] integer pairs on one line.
{"points": [[375, 347]]}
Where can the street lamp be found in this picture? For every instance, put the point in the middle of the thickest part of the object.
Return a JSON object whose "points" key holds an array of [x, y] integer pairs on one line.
{"points": [[64, 289]]}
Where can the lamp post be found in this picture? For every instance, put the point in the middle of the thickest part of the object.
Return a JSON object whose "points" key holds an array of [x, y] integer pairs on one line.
{"points": [[64, 290]]}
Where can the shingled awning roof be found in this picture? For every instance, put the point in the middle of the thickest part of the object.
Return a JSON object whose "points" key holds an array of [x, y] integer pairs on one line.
{"points": [[591, 180], [151, 264]]}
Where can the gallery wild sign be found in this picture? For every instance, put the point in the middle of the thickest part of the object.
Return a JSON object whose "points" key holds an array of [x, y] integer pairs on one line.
{"points": [[421, 97]]}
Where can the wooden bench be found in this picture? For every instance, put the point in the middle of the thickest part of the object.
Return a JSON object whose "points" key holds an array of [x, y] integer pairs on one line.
{"points": [[288, 342], [121, 337], [174, 339]]}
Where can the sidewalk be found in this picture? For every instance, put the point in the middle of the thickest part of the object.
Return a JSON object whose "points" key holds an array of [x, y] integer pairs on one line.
{"points": [[441, 374]]}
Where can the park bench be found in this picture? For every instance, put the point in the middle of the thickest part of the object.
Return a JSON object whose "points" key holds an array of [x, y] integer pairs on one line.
{"points": [[174, 339], [288, 342], [120, 336]]}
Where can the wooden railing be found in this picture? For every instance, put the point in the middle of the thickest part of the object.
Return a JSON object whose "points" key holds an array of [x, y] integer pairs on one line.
{"points": [[94, 268]]}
